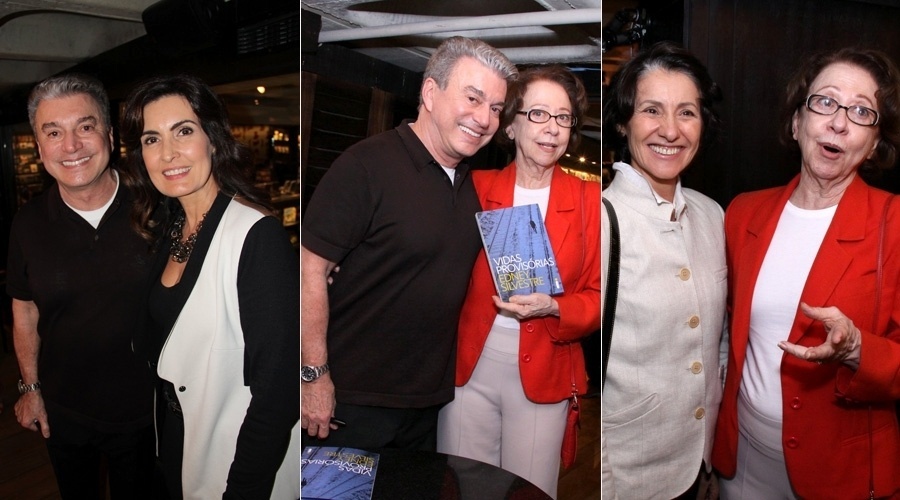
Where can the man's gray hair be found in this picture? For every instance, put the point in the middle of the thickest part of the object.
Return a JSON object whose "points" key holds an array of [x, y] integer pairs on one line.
{"points": [[441, 63], [67, 85]]}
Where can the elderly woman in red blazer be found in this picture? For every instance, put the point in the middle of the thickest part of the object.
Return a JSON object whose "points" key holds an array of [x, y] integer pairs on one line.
{"points": [[814, 364], [519, 362]]}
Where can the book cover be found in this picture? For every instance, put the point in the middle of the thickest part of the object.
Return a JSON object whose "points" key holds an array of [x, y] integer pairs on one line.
{"points": [[337, 473], [518, 251]]}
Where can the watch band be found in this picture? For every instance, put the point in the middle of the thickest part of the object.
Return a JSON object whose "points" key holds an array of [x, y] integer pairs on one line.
{"points": [[311, 373], [23, 388]]}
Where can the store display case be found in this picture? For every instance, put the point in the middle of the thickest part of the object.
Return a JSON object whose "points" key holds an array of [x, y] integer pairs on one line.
{"points": [[30, 177]]}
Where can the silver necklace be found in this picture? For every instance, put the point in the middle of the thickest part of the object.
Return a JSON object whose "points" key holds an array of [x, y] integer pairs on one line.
{"points": [[181, 252]]}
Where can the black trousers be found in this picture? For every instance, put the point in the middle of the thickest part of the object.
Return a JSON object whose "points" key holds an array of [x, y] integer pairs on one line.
{"points": [[83, 458], [370, 427], [691, 493], [170, 423]]}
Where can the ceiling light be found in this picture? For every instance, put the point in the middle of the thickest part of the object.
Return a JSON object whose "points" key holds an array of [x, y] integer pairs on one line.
{"points": [[261, 89]]}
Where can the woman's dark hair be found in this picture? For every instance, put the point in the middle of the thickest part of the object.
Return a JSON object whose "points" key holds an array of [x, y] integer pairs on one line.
{"points": [[555, 73], [887, 97], [231, 164], [618, 103]]}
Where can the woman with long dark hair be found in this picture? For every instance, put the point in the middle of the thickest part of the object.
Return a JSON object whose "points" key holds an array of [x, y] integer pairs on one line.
{"points": [[226, 302]]}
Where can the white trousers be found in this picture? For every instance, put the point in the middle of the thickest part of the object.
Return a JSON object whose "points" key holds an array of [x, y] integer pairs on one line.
{"points": [[761, 472], [492, 421]]}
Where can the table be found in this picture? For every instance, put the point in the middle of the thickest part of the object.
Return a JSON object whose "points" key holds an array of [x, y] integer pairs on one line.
{"points": [[420, 475]]}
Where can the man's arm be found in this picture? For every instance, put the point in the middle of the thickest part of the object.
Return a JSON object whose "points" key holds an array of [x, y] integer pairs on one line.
{"points": [[30, 406], [317, 397]]}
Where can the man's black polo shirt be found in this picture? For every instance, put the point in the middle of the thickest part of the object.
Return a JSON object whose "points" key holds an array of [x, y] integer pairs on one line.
{"points": [[90, 287], [406, 241]]}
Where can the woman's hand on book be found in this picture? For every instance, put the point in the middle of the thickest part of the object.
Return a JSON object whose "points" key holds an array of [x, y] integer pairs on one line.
{"points": [[529, 306]]}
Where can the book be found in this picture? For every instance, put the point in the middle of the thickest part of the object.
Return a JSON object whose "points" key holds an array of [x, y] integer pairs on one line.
{"points": [[337, 473], [518, 251]]}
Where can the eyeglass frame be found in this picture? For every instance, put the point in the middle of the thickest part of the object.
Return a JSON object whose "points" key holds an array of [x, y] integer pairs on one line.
{"points": [[845, 108], [555, 117]]}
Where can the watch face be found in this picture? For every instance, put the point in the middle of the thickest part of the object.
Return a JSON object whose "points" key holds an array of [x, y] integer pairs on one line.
{"points": [[310, 373]]}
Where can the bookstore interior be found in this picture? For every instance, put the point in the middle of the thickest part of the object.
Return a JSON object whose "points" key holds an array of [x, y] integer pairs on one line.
{"points": [[261, 122]]}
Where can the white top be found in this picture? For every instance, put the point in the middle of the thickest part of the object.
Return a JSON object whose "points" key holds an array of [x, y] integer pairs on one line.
{"points": [[776, 298], [521, 196], [451, 172], [636, 179], [94, 216], [205, 353]]}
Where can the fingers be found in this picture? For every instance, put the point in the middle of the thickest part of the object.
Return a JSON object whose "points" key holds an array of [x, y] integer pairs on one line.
{"points": [[799, 351], [823, 353], [316, 425], [319, 431], [43, 426], [317, 407], [842, 334], [34, 424], [527, 306]]}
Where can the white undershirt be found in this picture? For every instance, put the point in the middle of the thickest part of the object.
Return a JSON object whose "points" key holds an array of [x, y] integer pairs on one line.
{"points": [[524, 196], [776, 298], [451, 172], [94, 216]]}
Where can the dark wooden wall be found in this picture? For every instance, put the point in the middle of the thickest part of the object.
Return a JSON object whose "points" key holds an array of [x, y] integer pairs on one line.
{"points": [[336, 115], [751, 48]]}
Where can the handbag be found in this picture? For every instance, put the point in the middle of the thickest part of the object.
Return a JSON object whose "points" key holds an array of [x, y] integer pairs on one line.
{"points": [[573, 416], [612, 289], [879, 266], [570, 437]]}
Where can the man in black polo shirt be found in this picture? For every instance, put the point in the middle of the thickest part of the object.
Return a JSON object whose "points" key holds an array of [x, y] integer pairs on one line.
{"points": [[78, 277], [397, 213]]}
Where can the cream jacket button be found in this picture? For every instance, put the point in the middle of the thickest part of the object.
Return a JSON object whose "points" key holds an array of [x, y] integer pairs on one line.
{"points": [[694, 322], [684, 274], [699, 413], [696, 367]]}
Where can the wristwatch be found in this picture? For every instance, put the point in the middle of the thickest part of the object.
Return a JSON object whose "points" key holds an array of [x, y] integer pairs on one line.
{"points": [[23, 388], [311, 373]]}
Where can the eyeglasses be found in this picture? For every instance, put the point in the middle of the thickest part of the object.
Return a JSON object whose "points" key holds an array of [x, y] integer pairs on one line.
{"points": [[541, 116], [825, 105]]}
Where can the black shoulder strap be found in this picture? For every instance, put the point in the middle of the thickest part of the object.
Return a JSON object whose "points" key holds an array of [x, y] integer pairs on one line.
{"points": [[612, 288]]}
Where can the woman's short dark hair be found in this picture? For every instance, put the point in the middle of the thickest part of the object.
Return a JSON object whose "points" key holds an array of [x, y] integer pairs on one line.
{"points": [[887, 97], [555, 73], [618, 103], [231, 163]]}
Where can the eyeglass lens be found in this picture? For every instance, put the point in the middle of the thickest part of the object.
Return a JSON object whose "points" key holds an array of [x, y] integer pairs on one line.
{"points": [[825, 105], [541, 116]]}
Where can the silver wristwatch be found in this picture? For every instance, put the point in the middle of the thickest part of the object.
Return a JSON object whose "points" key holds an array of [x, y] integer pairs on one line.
{"points": [[23, 388], [311, 373]]}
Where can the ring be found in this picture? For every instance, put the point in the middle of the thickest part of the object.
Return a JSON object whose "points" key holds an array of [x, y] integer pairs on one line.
{"points": [[35, 421]]}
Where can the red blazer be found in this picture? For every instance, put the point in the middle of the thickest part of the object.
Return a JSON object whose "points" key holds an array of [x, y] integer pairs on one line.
{"points": [[549, 351], [828, 426]]}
